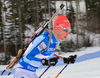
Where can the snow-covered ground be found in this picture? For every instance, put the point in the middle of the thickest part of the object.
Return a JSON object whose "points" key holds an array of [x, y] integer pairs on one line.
{"points": [[84, 69]]}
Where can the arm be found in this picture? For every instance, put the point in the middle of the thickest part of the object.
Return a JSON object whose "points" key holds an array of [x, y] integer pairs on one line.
{"points": [[36, 46], [70, 59], [59, 56]]}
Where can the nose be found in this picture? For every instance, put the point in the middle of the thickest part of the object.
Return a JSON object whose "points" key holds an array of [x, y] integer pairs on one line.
{"points": [[67, 33]]}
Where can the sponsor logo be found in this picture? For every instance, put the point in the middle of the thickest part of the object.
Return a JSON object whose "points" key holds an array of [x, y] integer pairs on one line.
{"points": [[66, 21], [63, 25], [41, 46], [30, 68], [50, 49]]}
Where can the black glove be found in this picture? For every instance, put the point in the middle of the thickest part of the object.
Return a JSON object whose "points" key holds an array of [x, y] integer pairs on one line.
{"points": [[50, 62], [70, 59]]}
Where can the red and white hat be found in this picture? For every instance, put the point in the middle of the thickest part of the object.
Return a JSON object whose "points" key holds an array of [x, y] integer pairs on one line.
{"points": [[62, 21]]}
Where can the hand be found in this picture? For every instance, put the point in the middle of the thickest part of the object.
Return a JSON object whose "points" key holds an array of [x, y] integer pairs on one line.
{"points": [[50, 62], [70, 59]]}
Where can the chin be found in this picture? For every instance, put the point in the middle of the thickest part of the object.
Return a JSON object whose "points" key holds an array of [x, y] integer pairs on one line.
{"points": [[63, 40]]}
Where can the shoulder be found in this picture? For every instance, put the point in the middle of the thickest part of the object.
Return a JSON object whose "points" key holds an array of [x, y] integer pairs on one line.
{"points": [[41, 38]]}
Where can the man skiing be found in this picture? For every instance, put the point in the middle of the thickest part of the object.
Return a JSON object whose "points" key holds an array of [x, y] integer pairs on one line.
{"points": [[34, 57]]}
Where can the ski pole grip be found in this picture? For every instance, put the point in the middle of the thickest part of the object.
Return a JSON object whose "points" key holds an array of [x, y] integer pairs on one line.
{"points": [[61, 6]]}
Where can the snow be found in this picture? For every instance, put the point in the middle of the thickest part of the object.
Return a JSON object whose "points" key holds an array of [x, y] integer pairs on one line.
{"points": [[84, 69], [82, 8]]}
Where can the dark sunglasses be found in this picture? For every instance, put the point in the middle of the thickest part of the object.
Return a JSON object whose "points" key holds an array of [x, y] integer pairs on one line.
{"points": [[66, 30]]}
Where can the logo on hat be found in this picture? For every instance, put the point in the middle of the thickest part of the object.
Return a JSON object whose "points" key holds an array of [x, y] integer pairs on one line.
{"points": [[66, 21]]}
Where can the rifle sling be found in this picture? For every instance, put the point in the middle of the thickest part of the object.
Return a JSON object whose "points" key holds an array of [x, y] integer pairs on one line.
{"points": [[50, 33]]}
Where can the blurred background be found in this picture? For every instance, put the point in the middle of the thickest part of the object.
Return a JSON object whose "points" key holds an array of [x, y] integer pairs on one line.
{"points": [[20, 18]]}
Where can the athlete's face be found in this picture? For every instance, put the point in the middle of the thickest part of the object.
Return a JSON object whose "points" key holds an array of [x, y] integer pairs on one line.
{"points": [[62, 34]]}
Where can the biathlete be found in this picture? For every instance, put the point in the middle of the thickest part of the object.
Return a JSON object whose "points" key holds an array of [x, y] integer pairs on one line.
{"points": [[33, 58]]}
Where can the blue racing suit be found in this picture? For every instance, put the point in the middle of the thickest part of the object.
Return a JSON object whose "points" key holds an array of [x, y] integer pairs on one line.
{"points": [[32, 59]]}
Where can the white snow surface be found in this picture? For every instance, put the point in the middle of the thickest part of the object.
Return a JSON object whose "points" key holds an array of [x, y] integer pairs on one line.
{"points": [[84, 69]]}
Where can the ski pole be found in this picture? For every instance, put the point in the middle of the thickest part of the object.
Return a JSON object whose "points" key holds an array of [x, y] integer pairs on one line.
{"points": [[44, 71], [48, 66], [61, 71]]}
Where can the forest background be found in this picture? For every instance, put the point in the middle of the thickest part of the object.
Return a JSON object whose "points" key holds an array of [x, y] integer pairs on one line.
{"points": [[20, 18]]}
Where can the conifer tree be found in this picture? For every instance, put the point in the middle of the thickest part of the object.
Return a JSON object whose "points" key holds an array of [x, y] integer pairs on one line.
{"points": [[93, 15]]}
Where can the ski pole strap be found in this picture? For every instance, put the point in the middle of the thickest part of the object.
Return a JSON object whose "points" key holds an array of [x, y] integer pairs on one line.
{"points": [[61, 71], [44, 71]]}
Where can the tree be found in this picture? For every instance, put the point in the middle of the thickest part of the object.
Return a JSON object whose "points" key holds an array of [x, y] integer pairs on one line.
{"points": [[7, 57], [71, 16], [1, 34], [93, 15]]}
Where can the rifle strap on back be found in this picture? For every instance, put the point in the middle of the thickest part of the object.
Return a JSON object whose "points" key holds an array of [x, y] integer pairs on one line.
{"points": [[50, 33]]}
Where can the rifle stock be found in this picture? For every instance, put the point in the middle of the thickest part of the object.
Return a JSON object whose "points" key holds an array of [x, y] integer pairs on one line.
{"points": [[15, 60]]}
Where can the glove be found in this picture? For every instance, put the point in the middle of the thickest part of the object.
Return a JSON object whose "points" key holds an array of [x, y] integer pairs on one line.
{"points": [[50, 62], [70, 59]]}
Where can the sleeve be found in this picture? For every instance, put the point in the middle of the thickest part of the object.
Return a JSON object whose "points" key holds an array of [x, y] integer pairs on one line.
{"points": [[36, 47]]}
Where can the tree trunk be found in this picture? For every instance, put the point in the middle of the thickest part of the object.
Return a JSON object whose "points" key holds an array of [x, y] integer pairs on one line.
{"points": [[37, 11], [45, 10], [77, 21], [20, 27], [4, 40], [15, 37], [14, 31]]}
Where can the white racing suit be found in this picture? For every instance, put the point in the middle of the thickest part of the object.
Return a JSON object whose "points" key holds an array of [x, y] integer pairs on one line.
{"points": [[31, 60]]}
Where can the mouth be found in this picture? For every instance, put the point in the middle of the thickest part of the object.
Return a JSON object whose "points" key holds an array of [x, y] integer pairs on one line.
{"points": [[64, 36]]}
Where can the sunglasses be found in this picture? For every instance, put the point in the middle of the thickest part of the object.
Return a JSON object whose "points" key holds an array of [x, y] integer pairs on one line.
{"points": [[66, 30]]}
